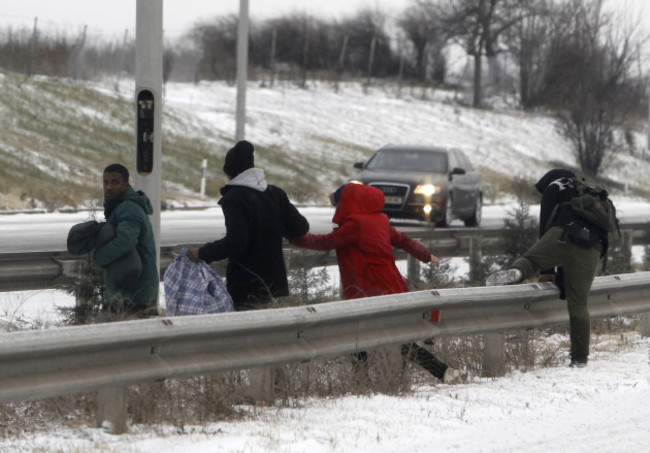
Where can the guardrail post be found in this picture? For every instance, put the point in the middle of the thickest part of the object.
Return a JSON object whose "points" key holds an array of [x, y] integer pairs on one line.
{"points": [[81, 270], [627, 248], [111, 409], [262, 384], [412, 268], [494, 355], [475, 258], [645, 324]]}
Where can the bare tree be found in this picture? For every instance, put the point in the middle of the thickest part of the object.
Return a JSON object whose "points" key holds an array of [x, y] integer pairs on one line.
{"points": [[301, 41], [421, 25], [527, 42], [169, 58], [477, 25], [587, 79], [364, 27], [218, 43]]}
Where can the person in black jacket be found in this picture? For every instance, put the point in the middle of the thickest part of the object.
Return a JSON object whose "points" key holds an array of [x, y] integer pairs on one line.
{"points": [[576, 263], [258, 216]]}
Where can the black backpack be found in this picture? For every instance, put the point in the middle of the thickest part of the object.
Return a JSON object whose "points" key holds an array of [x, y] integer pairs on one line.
{"points": [[594, 205]]}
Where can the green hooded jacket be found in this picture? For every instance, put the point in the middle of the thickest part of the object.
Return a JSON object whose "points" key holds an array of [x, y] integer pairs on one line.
{"points": [[129, 214]]}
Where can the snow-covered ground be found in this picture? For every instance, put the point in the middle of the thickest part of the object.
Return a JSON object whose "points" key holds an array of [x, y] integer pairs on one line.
{"points": [[602, 408]]}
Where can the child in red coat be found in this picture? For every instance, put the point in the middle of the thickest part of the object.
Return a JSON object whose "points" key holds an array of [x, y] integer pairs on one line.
{"points": [[363, 241]]}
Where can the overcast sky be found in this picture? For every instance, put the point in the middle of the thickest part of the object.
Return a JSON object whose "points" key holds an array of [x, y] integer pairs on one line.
{"points": [[114, 16], [111, 17]]}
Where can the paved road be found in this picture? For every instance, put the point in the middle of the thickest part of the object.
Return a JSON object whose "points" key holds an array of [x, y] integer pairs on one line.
{"points": [[48, 232]]}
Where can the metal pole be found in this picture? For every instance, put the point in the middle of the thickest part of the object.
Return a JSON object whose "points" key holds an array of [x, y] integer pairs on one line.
{"points": [[32, 49], [148, 89], [112, 401], [204, 167], [274, 37], [78, 50], [370, 60], [242, 70]]}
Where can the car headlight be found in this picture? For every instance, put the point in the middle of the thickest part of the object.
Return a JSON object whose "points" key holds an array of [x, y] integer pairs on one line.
{"points": [[426, 189]]}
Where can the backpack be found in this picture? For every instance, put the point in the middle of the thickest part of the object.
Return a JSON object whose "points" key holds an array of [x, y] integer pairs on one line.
{"points": [[594, 205]]}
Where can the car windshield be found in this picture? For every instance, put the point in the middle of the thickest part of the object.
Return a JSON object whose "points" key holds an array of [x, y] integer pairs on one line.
{"points": [[409, 160]]}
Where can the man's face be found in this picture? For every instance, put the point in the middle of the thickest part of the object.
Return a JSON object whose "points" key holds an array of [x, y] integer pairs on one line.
{"points": [[114, 185]]}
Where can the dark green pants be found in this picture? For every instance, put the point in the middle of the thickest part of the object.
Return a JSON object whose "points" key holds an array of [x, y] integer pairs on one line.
{"points": [[579, 270]]}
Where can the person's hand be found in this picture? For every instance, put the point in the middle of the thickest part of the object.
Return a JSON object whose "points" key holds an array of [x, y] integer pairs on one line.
{"points": [[434, 260], [543, 278], [193, 254]]}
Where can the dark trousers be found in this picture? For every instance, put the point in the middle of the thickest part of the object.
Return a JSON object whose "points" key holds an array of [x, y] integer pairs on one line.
{"points": [[579, 265], [424, 358], [416, 354]]}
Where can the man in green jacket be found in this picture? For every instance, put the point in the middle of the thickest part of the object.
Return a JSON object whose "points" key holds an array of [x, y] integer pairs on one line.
{"points": [[128, 211]]}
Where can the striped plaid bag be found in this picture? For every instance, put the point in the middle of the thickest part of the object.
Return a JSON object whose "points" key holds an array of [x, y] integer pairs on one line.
{"points": [[194, 288]]}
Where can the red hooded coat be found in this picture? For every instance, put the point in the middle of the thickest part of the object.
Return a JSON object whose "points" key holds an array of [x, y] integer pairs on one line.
{"points": [[363, 241]]}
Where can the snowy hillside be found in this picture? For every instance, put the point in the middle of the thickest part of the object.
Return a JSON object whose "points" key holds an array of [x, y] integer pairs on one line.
{"points": [[62, 133], [319, 128]]}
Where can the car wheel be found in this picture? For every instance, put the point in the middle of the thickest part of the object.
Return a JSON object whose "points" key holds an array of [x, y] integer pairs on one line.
{"points": [[475, 220], [447, 215]]}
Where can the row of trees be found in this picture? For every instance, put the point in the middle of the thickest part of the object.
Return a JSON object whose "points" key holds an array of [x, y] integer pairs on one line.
{"points": [[564, 55], [568, 56]]}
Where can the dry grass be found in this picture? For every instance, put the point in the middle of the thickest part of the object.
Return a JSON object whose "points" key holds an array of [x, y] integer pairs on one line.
{"points": [[201, 400]]}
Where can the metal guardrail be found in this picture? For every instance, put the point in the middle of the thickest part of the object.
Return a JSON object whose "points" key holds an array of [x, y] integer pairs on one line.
{"points": [[47, 363], [43, 270]]}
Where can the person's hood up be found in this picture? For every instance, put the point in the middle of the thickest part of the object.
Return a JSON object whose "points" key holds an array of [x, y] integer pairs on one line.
{"points": [[253, 178], [358, 199], [551, 176], [139, 197]]}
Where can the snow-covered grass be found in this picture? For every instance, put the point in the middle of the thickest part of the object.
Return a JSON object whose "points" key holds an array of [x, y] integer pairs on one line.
{"points": [[601, 408], [306, 139]]}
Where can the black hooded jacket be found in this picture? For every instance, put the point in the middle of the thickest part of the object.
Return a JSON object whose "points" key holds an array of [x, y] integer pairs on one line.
{"points": [[556, 187], [258, 216]]}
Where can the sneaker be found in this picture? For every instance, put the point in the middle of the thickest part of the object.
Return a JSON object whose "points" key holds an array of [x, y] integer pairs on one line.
{"points": [[578, 363], [507, 277], [454, 376]]}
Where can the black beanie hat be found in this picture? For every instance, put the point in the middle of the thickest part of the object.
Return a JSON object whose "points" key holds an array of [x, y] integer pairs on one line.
{"points": [[239, 158]]}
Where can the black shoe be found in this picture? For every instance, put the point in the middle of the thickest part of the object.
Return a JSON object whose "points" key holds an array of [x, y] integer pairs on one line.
{"points": [[578, 363]]}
